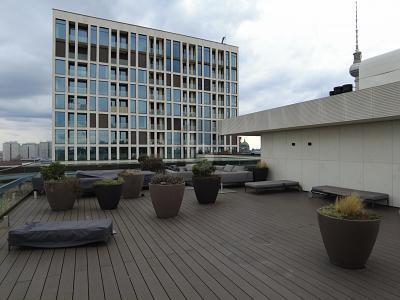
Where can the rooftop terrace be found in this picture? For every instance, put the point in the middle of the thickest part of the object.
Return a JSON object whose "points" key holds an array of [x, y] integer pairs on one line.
{"points": [[245, 246]]}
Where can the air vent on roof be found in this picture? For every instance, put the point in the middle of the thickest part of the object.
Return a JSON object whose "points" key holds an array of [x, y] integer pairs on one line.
{"points": [[341, 89]]}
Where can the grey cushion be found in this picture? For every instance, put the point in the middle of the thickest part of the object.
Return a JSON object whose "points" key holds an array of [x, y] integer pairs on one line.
{"points": [[228, 168], [189, 167], [182, 169], [238, 168], [271, 184], [219, 167]]}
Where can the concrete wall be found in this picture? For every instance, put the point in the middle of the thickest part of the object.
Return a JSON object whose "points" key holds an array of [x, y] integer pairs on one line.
{"points": [[361, 156]]}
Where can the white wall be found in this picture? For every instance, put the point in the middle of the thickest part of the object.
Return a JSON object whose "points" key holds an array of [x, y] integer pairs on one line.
{"points": [[361, 156]]}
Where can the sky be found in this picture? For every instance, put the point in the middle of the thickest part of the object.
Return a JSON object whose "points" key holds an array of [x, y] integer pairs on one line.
{"points": [[289, 51]]}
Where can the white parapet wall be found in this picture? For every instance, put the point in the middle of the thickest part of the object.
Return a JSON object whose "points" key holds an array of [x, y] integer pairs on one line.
{"points": [[360, 156]]}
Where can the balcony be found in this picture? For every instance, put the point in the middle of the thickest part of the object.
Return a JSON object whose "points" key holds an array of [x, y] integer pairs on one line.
{"points": [[256, 248], [192, 100], [151, 141], [192, 114], [123, 125], [160, 82], [113, 109], [160, 142], [123, 110], [160, 127], [160, 112]]}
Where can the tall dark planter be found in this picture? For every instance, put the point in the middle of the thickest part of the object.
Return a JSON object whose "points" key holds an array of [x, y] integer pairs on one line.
{"points": [[108, 195], [348, 242], [132, 185], [260, 174], [166, 199], [206, 188], [61, 195]]}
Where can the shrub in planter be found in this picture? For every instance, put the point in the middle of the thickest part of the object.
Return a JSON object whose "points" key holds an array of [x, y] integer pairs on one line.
{"points": [[260, 172], [154, 164], [348, 231], [108, 192], [206, 185], [61, 191], [133, 183], [166, 192]]}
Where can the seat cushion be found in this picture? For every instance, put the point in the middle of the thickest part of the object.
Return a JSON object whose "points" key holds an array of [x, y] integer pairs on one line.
{"points": [[238, 168], [228, 168]]}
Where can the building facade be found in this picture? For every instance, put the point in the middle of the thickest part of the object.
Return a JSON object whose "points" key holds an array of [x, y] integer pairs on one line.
{"points": [[11, 151], [45, 150], [121, 91]]}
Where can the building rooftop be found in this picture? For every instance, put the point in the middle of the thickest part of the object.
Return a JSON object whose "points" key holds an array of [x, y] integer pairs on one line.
{"points": [[245, 246]]}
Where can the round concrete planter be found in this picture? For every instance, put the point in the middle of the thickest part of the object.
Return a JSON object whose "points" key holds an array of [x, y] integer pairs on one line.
{"points": [[108, 196], [166, 199], [132, 186], [260, 174], [348, 242], [206, 188], [60, 194]]}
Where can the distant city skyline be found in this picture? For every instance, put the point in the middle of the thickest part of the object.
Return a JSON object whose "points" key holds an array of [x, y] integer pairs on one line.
{"points": [[286, 55]]}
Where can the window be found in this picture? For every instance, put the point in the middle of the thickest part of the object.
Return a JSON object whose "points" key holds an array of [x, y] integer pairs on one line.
{"points": [[82, 34], [142, 107], [60, 67], [142, 92], [169, 112], [123, 40], [93, 87], [199, 54], [71, 86], [206, 55], [93, 103], [207, 139], [60, 136], [82, 87], [60, 153], [207, 112], [60, 29], [81, 120], [234, 74], [103, 88], [177, 50], [133, 122], [142, 43], [82, 70], [228, 100], [133, 41], [103, 104], [177, 138], [133, 106], [177, 66], [142, 122], [93, 34], [177, 109], [207, 98], [168, 64], [81, 137], [199, 73], [199, 98], [234, 88], [82, 105], [168, 48], [169, 138], [103, 71], [103, 136], [114, 39], [103, 153], [81, 153], [177, 95], [71, 69], [103, 39], [60, 84], [168, 93], [92, 136], [123, 74], [206, 71], [72, 31], [71, 136], [113, 121], [123, 90], [142, 76], [71, 102], [227, 88], [60, 102], [207, 125], [71, 120], [93, 69], [234, 60], [133, 74]]}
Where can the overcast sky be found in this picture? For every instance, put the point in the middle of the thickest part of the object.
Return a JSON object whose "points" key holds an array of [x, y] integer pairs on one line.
{"points": [[289, 51]]}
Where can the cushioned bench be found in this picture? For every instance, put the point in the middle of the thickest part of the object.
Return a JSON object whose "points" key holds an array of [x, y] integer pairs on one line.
{"points": [[60, 234], [272, 184], [335, 191]]}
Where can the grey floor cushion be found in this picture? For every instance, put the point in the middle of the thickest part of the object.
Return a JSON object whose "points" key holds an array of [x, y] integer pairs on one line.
{"points": [[60, 234]]}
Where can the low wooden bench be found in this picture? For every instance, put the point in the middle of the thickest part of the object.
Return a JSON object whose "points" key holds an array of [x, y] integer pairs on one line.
{"points": [[272, 184], [334, 191]]}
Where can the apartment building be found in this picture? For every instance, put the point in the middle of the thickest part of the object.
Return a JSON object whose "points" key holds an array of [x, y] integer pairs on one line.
{"points": [[121, 91], [11, 151]]}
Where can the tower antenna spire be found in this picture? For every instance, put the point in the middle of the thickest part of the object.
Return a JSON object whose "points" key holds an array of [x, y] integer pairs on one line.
{"points": [[355, 67], [356, 27]]}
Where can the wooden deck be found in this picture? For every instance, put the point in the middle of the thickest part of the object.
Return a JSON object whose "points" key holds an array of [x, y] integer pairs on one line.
{"points": [[245, 246]]}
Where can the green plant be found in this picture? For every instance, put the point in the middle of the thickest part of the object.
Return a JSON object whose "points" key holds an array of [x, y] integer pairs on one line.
{"points": [[54, 171], [349, 208], [129, 172], [107, 181], [203, 168], [154, 164], [160, 178], [262, 164]]}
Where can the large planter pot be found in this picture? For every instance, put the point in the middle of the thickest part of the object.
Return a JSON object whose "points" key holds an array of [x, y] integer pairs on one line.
{"points": [[166, 199], [108, 195], [206, 188], [132, 185], [60, 194], [348, 242], [260, 174]]}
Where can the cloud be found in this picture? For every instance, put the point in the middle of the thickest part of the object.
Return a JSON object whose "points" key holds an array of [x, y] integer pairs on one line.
{"points": [[289, 51]]}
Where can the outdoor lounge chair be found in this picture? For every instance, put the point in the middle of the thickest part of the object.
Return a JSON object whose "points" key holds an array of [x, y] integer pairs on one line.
{"points": [[272, 185], [60, 234]]}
